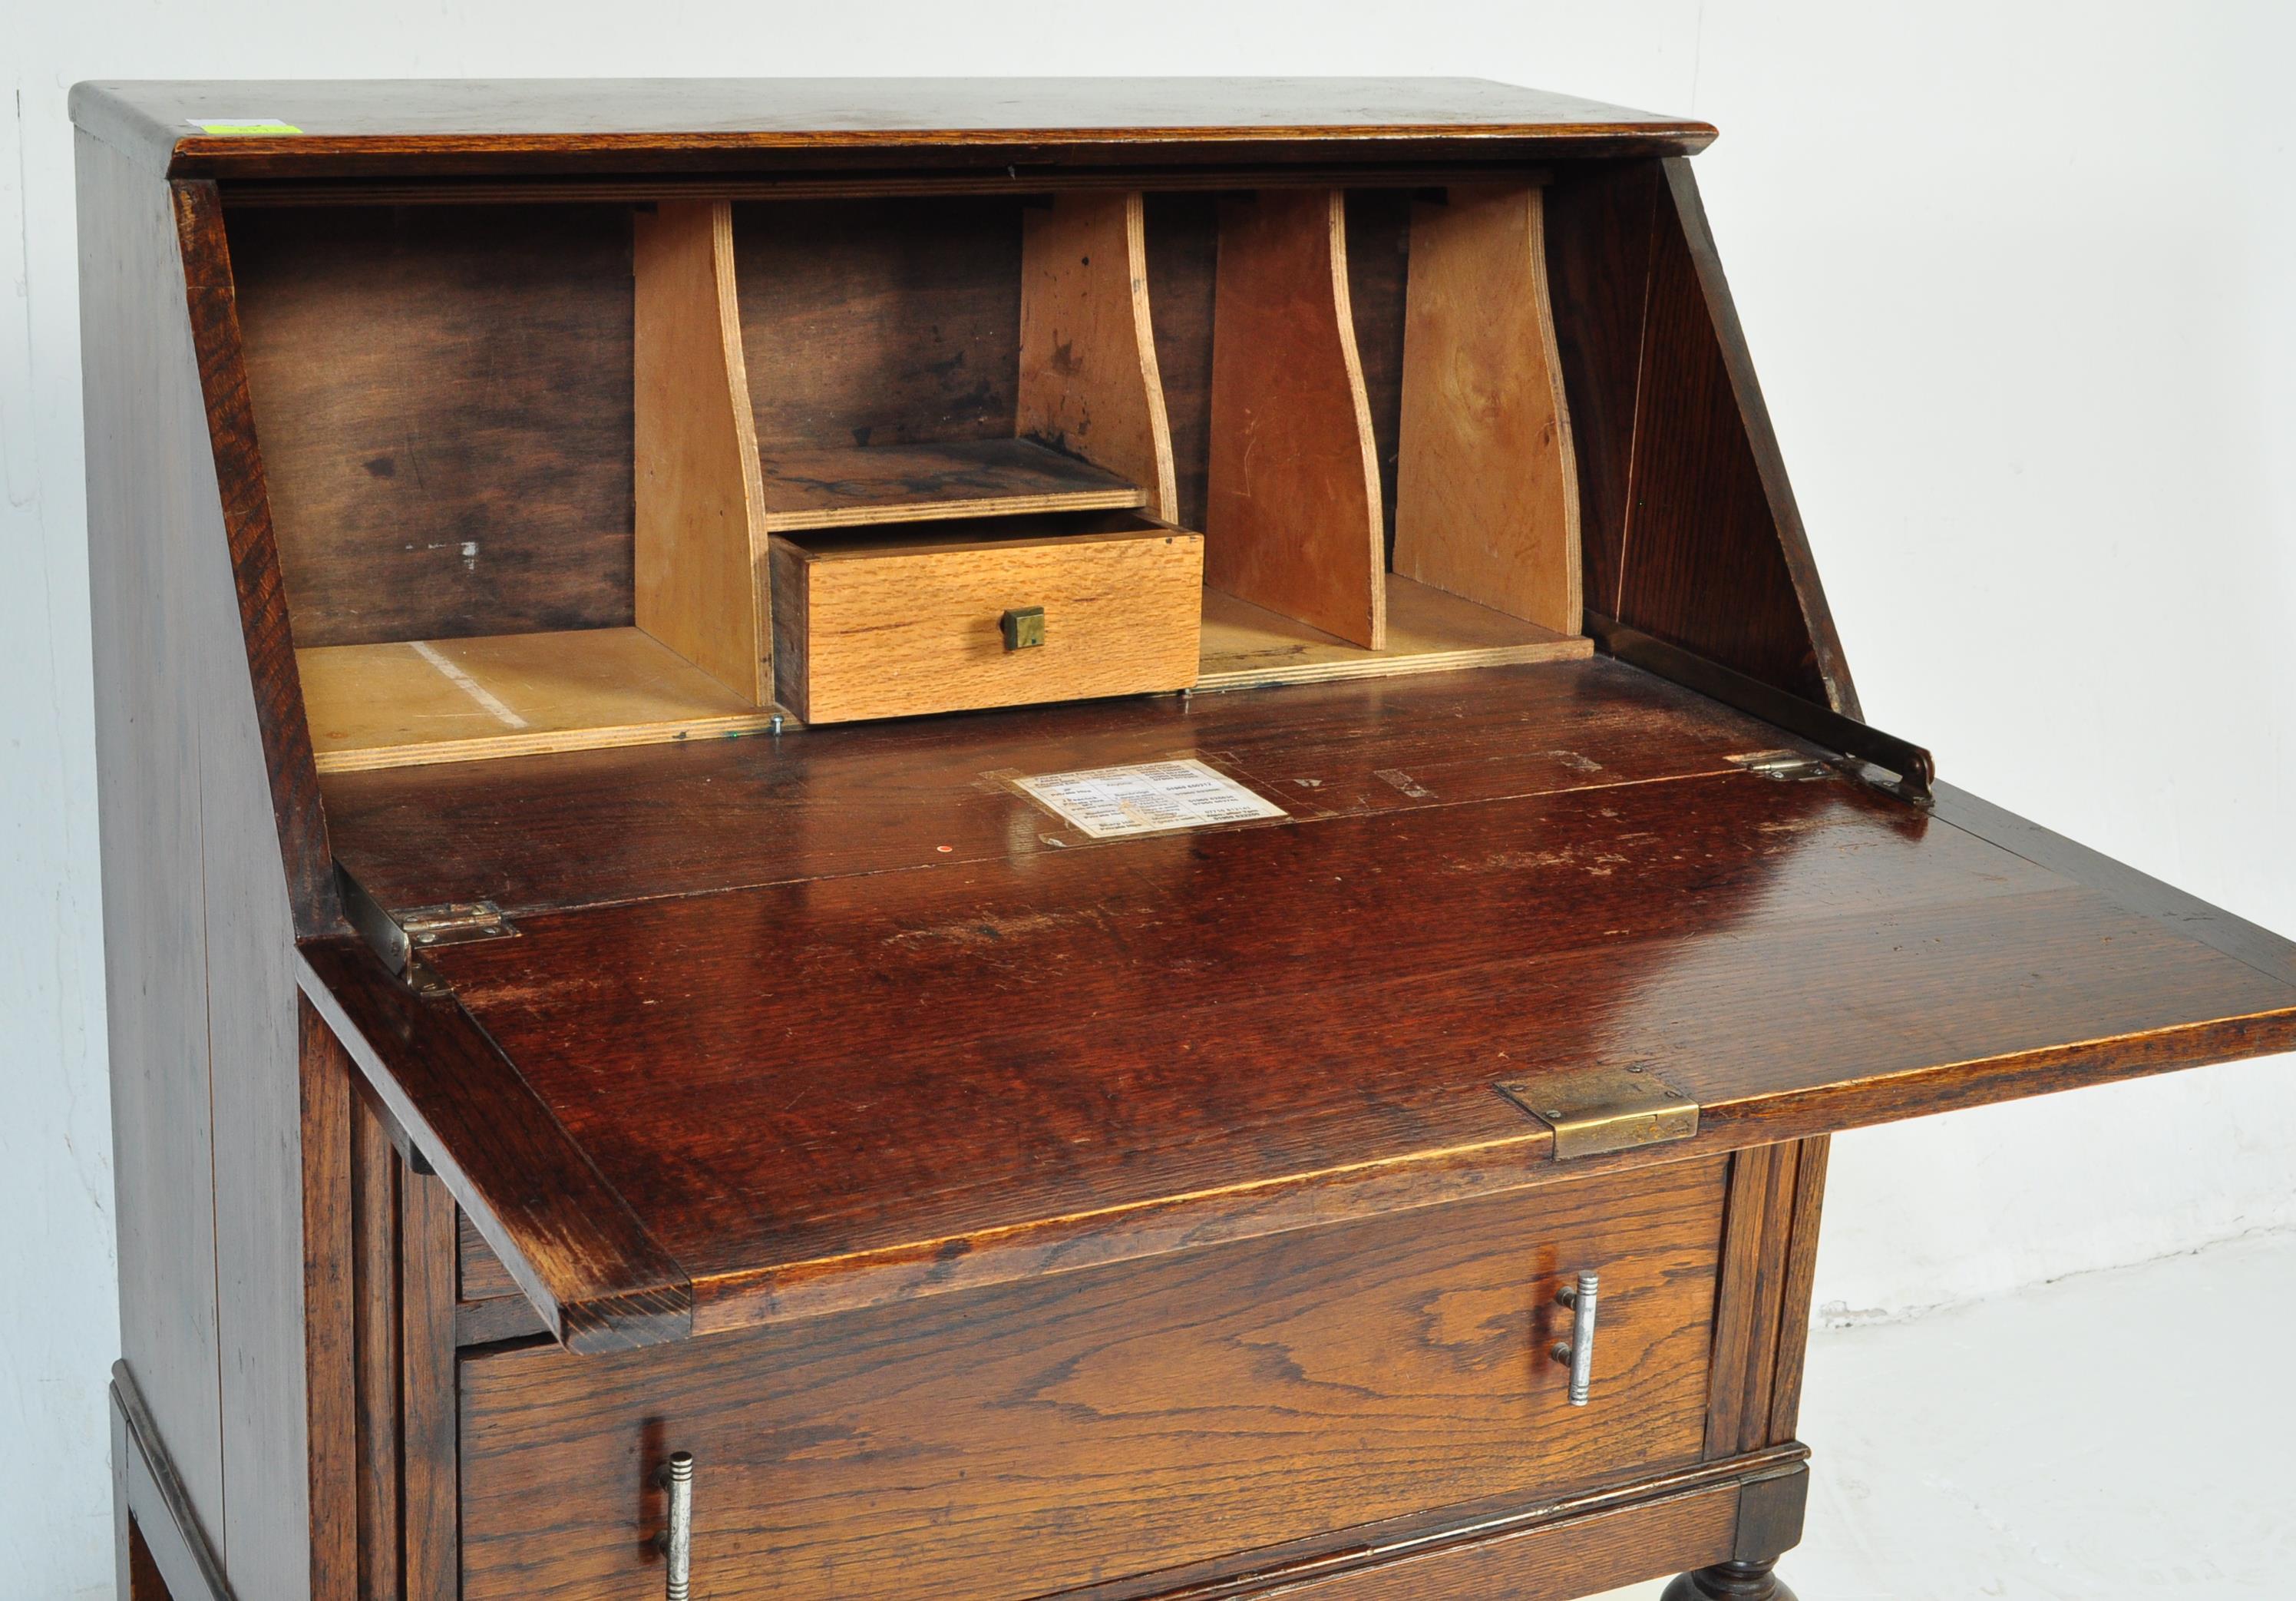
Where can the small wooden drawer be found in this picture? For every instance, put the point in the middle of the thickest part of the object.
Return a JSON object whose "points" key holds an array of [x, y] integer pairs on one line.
{"points": [[1155, 1417], [882, 627]]}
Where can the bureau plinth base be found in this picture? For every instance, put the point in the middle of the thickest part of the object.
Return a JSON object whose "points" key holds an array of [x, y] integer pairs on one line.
{"points": [[1730, 1582]]}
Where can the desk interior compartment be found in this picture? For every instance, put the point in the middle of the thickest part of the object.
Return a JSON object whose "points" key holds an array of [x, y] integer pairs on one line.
{"points": [[1369, 426], [462, 412], [527, 464]]}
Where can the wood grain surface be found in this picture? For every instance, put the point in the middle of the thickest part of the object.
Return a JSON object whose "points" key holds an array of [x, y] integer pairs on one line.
{"points": [[1558, 1561], [879, 321], [1293, 521], [1246, 646], [466, 127], [1054, 1049], [445, 404], [584, 1261], [1379, 273], [700, 535], [329, 1309], [1487, 486], [429, 1396], [1702, 562], [1689, 527], [881, 484], [148, 706], [510, 694], [1598, 223], [213, 846], [1088, 377], [1183, 263], [1025, 1440], [608, 826], [374, 1279], [892, 627]]}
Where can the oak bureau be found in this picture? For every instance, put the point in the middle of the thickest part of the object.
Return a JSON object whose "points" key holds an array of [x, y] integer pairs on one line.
{"points": [[991, 840]]}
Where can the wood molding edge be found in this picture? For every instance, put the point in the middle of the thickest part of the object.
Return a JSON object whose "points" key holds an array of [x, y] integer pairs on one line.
{"points": [[153, 1501]]}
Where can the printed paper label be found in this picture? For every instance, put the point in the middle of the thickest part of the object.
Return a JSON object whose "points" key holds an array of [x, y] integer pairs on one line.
{"points": [[1109, 802]]}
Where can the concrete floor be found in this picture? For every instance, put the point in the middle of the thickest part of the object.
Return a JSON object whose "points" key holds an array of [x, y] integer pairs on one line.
{"points": [[2116, 1436]]}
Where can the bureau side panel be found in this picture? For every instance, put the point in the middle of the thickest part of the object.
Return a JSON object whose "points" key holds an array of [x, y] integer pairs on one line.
{"points": [[145, 470], [271, 1311], [211, 1092], [1691, 530]]}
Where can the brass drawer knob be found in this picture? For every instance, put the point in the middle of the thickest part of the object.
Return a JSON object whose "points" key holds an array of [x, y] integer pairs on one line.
{"points": [[1578, 1353], [678, 1531], [1024, 627]]}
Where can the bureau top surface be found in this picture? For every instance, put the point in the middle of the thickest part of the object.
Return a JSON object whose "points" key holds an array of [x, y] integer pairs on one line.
{"points": [[541, 124], [800, 1024]]}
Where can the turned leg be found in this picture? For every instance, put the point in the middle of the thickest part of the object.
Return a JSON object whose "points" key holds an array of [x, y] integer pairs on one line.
{"points": [[1730, 1582]]}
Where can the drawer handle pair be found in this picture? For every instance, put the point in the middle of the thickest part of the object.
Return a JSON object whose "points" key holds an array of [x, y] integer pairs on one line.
{"points": [[1578, 1353], [677, 1530]]}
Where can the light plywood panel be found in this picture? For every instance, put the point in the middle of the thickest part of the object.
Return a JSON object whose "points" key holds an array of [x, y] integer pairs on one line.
{"points": [[1246, 645], [700, 489], [1487, 489], [884, 630], [1089, 378], [510, 694], [1293, 519], [872, 485]]}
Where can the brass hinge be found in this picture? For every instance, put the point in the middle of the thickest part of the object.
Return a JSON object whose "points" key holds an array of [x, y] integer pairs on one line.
{"points": [[401, 937], [1598, 1109], [1784, 767]]}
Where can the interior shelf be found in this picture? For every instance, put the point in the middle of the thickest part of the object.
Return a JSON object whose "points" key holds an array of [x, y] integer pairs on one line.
{"points": [[1428, 630], [874, 484], [510, 694]]}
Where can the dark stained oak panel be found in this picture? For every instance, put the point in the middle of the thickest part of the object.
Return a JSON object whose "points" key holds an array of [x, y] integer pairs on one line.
{"points": [[480, 1275], [443, 399], [835, 1090], [1598, 226], [1700, 562], [1183, 240], [1379, 264], [880, 323], [579, 829], [1027, 1439], [1006, 1213], [542, 126], [584, 1260]]}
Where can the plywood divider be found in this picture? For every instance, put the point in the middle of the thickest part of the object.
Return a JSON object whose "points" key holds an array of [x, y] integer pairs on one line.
{"points": [[1088, 379], [1292, 522], [1487, 486], [701, 568]]}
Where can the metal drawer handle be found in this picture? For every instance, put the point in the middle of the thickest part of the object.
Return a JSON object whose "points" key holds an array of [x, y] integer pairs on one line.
{"points": [[1578, 1353], [678, 1534]]}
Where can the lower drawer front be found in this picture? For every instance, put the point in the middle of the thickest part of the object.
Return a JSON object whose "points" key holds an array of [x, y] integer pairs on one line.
{"points": [[1029, 1438]]}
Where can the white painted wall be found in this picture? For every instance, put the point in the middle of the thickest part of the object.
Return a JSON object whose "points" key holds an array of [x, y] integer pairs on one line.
{"points": [[2021, 280]]}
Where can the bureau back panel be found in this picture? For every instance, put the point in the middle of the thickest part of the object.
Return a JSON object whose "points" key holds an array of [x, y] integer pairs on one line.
{"points": [[879, 321], [443, 399], [1378, 267]]}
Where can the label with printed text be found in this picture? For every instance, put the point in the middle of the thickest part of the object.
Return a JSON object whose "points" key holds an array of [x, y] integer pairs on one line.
{"points": [[1109, 802]]}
